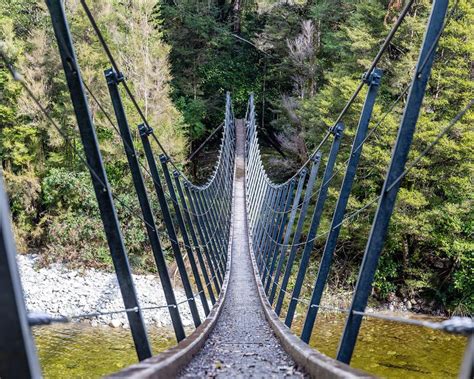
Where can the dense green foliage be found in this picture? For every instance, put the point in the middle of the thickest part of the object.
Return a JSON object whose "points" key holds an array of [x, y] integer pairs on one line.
{"points": [[302, 60], [53, 204]]}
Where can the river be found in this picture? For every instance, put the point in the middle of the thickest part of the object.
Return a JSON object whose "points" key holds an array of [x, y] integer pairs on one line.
{"points": [[384, 348]]}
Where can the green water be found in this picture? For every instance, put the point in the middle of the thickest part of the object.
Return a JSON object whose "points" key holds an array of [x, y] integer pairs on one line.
{"points": [[385, 349], [392, 350], [83, 351]]}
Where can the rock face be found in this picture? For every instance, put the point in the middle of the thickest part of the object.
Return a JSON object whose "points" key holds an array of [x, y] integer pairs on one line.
{"points": [[56, 290]]}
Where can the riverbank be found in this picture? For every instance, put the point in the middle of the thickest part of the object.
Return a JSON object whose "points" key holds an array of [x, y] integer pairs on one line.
{"points": [[342, 298], [59, 291]]}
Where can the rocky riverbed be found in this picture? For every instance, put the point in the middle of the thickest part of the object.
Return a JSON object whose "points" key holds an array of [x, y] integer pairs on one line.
{"points": [[59, 291]]}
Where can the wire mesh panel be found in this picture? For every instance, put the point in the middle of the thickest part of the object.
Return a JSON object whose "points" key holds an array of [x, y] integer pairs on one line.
{"points": [[189, 221], [283, 237]]}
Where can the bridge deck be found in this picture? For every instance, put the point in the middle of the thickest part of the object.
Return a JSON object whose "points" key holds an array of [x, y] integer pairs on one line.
{"points": [[242, 343]]}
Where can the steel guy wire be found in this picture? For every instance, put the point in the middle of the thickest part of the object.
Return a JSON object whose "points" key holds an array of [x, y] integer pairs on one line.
{"points": [[390, 109], [117, 70], [108, 117], [438, 138], [408, 85], [42, 319], [19, 78], [454, 325], [433, 143]]}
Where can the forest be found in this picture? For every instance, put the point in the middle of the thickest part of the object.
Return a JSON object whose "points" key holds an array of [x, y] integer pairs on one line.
{"points": [[302, 60]]}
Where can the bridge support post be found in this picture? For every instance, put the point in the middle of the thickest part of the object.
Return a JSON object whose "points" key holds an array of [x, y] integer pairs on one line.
{"points": [[276, 246], [289, 230], [197, 248], [264, 269], [17, 350], [206, 243], [390, 188], [316, 160], [99, 177], [373, 81], [467, 367], [112, 82], [184, 233], [313, 229]]}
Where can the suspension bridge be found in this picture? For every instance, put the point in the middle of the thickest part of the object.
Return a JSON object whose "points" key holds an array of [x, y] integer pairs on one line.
{"points": [[243, 234]]}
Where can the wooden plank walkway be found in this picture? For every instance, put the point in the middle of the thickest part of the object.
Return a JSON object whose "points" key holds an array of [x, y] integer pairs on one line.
{"points": [[242, 343]]}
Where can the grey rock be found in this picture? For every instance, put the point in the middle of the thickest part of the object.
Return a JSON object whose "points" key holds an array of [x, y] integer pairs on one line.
{"points": [[56, 290], [115, 323]]}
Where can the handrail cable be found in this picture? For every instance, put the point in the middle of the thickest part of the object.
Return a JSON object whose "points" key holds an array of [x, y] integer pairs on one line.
{"points": [[454, 325], [377, 58], [19, 78], [114, 64], [142, 165], [384, 116]]}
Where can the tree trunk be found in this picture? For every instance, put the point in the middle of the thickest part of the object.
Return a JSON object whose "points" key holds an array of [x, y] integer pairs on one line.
{"points": [[236, 13]]}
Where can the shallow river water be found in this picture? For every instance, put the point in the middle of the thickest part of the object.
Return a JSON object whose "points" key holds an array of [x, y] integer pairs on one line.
{"points": [[385, 349], [393, 350]]}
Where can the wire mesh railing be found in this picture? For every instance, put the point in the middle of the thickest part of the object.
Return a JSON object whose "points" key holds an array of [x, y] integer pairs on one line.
{"points": [[196, 217], [278, 213]]}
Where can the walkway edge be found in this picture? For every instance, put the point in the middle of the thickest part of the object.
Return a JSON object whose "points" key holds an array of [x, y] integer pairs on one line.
{"points": [[314, 363], [169, 363]]}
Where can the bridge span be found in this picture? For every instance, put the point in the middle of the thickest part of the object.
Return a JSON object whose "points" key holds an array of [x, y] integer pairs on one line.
{"points": [[242, 342], [243, 235]]}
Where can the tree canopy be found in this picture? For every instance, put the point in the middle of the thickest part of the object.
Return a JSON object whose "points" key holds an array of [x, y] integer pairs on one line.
{"points": [[302, 60]]}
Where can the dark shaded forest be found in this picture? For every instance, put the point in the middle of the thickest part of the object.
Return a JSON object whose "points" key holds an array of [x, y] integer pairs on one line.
{"points": [[302, 60]]}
